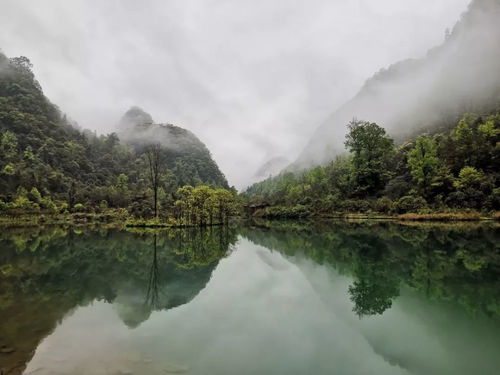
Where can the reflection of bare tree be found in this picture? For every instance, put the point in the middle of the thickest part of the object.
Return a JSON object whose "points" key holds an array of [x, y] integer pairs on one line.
{"points": [[152, 295]]}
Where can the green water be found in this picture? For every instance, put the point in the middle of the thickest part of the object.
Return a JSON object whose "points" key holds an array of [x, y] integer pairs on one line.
{"points": [[266, 298]]}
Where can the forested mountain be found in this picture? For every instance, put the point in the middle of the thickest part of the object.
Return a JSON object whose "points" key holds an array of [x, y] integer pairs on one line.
{"points": [[427, 94], [187, 157], [458, 169], [44, 158]]}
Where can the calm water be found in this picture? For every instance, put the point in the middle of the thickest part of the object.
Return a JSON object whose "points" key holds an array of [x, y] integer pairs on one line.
{"points": [[281, 298]]}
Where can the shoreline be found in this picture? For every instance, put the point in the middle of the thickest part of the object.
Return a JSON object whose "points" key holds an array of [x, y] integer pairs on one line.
{"points": [[116, 220]]}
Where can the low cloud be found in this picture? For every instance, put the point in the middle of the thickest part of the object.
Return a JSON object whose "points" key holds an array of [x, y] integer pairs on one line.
{"points": [[252, 79]]}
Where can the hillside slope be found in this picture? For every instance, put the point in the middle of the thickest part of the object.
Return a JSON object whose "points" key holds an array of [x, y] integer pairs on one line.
{"points": [[429, 94], [184, 153], [40, 149]]}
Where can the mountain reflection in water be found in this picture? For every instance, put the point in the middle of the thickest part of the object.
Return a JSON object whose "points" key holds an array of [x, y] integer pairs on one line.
{"points": [[332, 297]]}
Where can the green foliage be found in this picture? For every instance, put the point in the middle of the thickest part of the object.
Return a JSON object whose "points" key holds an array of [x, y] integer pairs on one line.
{"points": [[424, 165], [410, 203], [453, 263], [40, 148], [371, 149], [204, 206], [428, 173], [79, 207]]}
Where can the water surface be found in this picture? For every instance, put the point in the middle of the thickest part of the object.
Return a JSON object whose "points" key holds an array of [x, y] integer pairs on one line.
{"points": [[267, 298]]}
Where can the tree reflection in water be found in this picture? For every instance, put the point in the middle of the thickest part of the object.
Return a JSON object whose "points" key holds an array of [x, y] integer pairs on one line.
{"points": [[451, 262], [45, 273]]}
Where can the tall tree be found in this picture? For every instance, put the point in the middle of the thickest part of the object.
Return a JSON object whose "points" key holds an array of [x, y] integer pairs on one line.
{"points": [[371, 149], [155, 170]]}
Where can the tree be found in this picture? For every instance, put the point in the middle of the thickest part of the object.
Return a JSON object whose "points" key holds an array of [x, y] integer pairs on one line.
{"points": [[424, 164], [155, 170], [372, 149], [469, 178]]}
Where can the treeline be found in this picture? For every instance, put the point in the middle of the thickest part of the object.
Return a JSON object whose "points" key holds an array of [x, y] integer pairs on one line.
{"points": [[203, 206], [49, 165], [439, 172]]}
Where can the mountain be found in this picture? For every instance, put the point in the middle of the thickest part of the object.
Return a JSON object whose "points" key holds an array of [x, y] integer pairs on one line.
{"points": [[424, 95], [44, 153], [184, 153], [272, 167]]}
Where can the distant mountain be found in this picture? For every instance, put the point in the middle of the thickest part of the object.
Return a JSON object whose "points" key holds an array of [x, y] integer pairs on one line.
{"points": [[428, 94], [272, 167]]}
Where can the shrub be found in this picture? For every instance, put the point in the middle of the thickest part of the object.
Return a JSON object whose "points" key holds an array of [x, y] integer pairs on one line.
{"points": [[410, 203], [62, 208], [79, 208], [493, 200], [283, 212], [383, 205], [355, 205]]}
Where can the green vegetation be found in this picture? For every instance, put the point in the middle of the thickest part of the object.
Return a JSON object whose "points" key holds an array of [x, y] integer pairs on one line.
{"points": [[455, 263], [439, 173], [44, 274], [49, 167], [195, 206]]}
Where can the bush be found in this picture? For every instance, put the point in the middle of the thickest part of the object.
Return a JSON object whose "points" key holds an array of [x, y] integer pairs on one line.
{"points": [[410, 203], [493, 201], [355, 205], [397, 187], [283, 212], [62, 208], [79, 208], [383, 205]]}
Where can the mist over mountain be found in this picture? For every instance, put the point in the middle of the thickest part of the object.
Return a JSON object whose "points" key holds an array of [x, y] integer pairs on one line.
{"points": [[134, 117], [44, 152], [272, 167], [183, 151], [424, 95]]}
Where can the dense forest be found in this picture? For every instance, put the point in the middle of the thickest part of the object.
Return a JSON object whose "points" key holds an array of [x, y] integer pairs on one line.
{"points": [[442, 171], [49, 165]]}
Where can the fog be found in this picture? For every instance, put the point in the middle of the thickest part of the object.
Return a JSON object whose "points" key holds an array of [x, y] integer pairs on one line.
{"points": [[424, 95], [252, 79]]}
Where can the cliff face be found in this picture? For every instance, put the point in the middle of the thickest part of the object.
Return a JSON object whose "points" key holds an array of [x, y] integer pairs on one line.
{"points": [[428, 94]]}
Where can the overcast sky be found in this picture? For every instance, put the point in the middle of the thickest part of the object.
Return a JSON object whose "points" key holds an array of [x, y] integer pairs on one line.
{"points": [[252, 79]]}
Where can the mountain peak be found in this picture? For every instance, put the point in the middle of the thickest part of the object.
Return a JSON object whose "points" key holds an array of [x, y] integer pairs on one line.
{"points": [[134, 117]]}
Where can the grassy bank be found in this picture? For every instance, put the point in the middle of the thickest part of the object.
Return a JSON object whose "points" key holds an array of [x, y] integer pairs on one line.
{"points": [[303, 212], [122, 219], [115, 217], [35, 219]]}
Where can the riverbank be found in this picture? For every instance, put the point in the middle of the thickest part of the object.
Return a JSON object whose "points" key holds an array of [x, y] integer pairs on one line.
{"points": [[410, 216], [117, 217], [111, 217]]}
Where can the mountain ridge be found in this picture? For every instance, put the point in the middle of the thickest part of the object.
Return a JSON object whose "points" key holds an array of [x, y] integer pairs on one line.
{"points": [[427, 94]]}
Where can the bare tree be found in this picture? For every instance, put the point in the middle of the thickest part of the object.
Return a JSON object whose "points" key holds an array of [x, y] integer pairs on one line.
{"points": [[155, 169]]}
